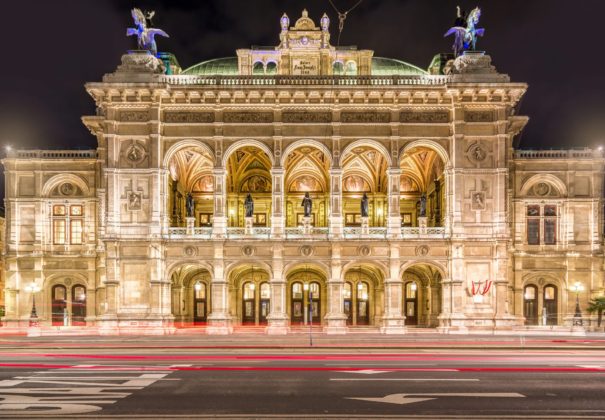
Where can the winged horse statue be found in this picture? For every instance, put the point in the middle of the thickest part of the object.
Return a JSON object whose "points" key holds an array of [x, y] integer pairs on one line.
{"points": [[145, 35], [466, 37]]}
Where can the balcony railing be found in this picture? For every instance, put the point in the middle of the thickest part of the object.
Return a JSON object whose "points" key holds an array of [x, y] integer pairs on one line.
{"points": [[287, 80], [371, 233], [316, 233], [418, 232]]}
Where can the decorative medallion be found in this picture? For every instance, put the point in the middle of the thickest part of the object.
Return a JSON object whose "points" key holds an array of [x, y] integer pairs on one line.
{"points": [[134, 200], [306, 250], [135, 152], [422, 250], [476, 153], [190, 251], [248, 250], [67, 282], [364, 250], [478, 201], [67, 189], [542, 189]]}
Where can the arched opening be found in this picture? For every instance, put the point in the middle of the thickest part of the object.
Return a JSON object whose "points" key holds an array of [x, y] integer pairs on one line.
{"points": [[422, 187], [364, 172], [190, 286], [58, 305], [258, 68], [550, 308], [306, 296], [530, 304], [306, 171], [422, 295], [249, 172], [363, 300], [338, 68], [190, 173], [351, 68], [271, 68], [249, 295], [78, 305]]}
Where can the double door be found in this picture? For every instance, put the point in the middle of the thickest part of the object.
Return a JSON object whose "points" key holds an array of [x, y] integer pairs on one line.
{"points": [[256, 306]]}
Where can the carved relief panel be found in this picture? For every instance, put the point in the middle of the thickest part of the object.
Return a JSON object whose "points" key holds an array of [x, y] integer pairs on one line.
{"points": [[133, 154]]}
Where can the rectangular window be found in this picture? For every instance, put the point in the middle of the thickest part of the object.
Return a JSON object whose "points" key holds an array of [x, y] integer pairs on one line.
{"points": [[533, 231], [550, 231], [58, 210], [59, 232], [76, 210], [76, 232]]}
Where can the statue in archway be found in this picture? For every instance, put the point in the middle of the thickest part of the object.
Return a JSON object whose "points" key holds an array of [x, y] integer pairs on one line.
{"points": [[249, 206], [307, 205], [423, 205], [190, 204], [364, 205]]}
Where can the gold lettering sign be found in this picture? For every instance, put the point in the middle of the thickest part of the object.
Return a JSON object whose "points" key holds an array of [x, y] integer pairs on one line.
{"points": [[478, 116], [188, 117], [304, 66]]}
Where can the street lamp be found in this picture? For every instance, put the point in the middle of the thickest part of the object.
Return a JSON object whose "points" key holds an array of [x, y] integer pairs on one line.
{"points": [[33, 288], [577, 317]]}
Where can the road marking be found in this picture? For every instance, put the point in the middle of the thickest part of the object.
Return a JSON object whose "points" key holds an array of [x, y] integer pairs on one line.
{"points": [[365, 371], [82, 393], [406, 379], [404, 399]]}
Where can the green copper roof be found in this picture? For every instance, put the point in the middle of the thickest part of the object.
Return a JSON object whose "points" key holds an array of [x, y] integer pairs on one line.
{"points": [[228, 67], [391, 67], [217, 67]]}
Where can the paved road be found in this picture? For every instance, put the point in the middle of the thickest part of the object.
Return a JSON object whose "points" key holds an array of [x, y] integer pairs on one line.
{"points": [[318, 383]]}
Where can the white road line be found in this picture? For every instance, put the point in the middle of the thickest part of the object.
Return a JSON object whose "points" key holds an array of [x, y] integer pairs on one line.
{"points": [[407, 379]]}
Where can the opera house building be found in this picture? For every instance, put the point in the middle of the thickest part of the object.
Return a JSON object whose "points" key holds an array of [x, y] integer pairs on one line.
{"points": [[304, 183]]}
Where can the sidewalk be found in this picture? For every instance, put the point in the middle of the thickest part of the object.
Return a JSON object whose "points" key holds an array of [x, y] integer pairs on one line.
{"points": [[591, 341]]}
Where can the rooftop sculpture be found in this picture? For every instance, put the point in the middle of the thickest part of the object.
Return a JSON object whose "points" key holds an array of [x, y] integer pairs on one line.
{"points": [[465, 37], [145, 35]]}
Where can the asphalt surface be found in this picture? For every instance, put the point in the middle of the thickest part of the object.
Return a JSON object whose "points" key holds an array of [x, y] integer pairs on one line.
{"points": [[151, 377]]}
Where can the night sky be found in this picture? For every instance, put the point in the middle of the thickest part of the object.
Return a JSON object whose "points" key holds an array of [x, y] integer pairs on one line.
{"points": [[51, 48]]}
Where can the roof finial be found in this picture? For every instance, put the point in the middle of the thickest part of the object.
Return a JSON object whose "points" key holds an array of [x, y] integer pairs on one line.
{"points": [[305, 13]]}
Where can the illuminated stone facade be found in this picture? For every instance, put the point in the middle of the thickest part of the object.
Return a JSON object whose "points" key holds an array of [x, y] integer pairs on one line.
{"points": [[463, 233]]}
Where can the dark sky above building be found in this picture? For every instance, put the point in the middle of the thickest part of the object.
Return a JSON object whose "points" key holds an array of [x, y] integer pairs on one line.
{"points": [[51, 48]]}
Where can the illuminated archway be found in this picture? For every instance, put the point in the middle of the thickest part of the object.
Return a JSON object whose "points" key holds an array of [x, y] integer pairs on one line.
{"points": [[422, 293]]}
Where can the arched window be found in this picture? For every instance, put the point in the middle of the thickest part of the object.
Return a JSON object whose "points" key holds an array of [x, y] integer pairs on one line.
{"points": [[363, 316], [297, 302], [338, 68], [315, 299], [271, 68], [347, 300], [265, 302], [258, 68], [200, 306], [411, 303], [249, 303], [530, 304]]}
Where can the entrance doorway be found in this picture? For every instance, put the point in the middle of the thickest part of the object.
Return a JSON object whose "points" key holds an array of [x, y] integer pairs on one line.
{"points": [[530, 305], [249, 303], [550, 304], [200, 307], [58, 304], [411, 303], [78, 305], [265, 302]]}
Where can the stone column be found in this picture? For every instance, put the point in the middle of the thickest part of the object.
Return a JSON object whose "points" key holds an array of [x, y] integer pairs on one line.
{"points": [[109, 320], [336, 220], [219, 221], [219, 320], [336, 320], [278, 318], [393, 320], [278, 220], [394, 217]]}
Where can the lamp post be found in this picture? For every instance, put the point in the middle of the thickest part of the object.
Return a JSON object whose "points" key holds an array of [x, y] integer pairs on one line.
{"points": [[577, 317], [33, 288]]}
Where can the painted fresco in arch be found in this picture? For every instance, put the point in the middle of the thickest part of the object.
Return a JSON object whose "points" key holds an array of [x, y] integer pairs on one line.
{"points": [[356, 183], [407, 184], [204, 184], [256, 184], [305, 183]]}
